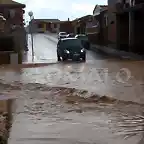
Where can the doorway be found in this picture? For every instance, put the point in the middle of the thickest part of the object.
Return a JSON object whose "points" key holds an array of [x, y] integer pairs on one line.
{"points": [[139, 32], [122, 26], [78, 30]]}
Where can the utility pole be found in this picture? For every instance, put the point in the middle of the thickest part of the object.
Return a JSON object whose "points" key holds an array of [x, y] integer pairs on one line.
{"points": [[30, 25]]}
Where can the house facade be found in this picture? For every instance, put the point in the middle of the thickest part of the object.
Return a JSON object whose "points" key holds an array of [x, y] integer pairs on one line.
{"points": [[13, 12], [126, 25], [13, 37], [45, 25]]}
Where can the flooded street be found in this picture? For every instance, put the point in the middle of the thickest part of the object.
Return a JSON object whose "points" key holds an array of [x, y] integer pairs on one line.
{"points": [[60, 115], [97, 102]]}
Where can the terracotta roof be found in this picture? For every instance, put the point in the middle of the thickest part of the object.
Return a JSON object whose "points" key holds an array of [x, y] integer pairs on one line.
{"points": [[104, 7]]}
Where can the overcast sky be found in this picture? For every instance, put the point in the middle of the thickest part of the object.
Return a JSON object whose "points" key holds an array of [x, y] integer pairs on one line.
{"points": [[61, 9]]}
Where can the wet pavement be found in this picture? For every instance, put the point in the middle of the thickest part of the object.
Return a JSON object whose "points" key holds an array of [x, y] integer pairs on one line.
{"points": [[49, 109], [45, 50]]}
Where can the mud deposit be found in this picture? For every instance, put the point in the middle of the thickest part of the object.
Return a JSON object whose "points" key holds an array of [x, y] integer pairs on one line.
{"points": [[58, 115]]}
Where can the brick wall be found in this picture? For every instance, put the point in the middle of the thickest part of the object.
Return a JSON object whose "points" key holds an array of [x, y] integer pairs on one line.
{"points": [[66, 27], [94, 38], [17, 19]]}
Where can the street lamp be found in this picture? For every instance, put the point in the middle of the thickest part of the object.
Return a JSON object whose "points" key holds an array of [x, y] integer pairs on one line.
{"points": [[30, 13], [30, 24]]}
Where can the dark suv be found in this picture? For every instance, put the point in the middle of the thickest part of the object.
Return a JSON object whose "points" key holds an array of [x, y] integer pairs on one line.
{"points": [[84, 40], [70, 48]]}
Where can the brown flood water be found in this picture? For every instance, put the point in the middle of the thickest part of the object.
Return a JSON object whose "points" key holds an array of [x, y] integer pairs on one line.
{"points": [[57, 115], [49, 109]]}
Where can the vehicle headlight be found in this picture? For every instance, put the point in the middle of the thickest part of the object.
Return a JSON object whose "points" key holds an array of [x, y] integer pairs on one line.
{"points": [[67, 51], [82, 50]]}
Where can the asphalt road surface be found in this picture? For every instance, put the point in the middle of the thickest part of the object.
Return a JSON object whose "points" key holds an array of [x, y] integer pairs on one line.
{"points": [[96, 102], [45, 50]]}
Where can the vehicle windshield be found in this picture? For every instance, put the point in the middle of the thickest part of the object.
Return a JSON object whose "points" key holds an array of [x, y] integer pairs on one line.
{"points": [[71, 34], [71, 43], [83, 37], [63, 33]]}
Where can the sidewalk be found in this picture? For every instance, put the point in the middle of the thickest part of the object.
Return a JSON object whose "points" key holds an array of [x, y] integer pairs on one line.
{"points": [[44, 50], [117, 53]]}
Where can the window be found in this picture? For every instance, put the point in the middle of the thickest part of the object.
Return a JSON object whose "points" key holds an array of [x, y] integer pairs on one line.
{"points": [[74, 43], [83, 37]]}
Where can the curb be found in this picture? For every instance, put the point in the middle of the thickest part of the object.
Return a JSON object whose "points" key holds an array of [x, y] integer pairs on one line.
{"points": [[99, 49], [27, 65], [121, 54]]}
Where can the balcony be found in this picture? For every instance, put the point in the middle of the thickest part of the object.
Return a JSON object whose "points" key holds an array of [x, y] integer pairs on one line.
{"points": [[128, 5]]}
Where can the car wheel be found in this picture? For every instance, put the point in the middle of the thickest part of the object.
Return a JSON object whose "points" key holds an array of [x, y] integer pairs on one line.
{"points": [[87, 46], [58, 58], [84, 58]]}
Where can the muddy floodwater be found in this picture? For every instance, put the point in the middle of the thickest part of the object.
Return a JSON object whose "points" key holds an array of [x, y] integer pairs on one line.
{"points": [[51, 108], [55, 115]]}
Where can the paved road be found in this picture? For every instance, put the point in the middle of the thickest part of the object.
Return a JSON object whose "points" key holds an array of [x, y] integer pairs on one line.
{"points": [[45, 50], [50, 110], [100, 74]]}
